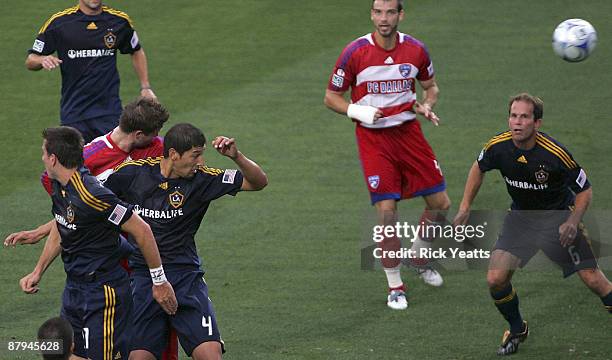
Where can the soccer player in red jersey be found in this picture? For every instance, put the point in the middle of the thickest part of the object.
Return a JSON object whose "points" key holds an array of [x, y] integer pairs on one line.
{"points": [[381, 69]]}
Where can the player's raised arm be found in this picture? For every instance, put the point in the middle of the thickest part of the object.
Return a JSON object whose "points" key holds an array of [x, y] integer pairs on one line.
{"points": [[29, 283], [162, 290], [472, 185], [254, 178]]}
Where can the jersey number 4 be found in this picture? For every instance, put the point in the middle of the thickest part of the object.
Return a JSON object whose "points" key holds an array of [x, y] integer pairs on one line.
{"points": [[207, 323]]}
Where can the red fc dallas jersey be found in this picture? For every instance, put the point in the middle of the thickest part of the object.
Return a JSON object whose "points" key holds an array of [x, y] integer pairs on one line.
{"points": [[383, 78], [102, 155]]}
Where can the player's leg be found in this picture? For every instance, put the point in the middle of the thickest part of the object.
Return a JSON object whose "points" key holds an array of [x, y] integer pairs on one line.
{"points": [[387, 216], [580, 258], [383, 180], [210, 350], [422, 176], [195, 322], [514, 247], [437, 205], [499, 276], [595, 280], [107, 318], [149, 333], [72, 310]]}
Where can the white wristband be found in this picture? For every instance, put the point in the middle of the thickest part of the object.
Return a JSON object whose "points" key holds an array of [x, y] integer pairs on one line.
{"points": [[158, 276], [363, 113]]}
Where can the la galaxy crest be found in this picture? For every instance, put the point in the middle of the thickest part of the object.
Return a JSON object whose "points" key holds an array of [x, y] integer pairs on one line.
{"points": [[70, 213], [110, 39], [176, 199], [541, 176]]}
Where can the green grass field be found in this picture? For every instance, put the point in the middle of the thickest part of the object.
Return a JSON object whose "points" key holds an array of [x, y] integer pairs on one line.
{"points": [[283, 265]]}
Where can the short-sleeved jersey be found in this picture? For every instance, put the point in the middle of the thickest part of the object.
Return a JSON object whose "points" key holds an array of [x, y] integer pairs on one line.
{"points": [[545, 177], [89, 219], [383, 78], [174, 208], [102, 156], [87, 46]]}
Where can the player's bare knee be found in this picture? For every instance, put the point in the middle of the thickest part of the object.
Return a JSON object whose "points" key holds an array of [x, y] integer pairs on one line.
{"points": [[210, 350], [387, 211], [497, 279], [438, 201]]}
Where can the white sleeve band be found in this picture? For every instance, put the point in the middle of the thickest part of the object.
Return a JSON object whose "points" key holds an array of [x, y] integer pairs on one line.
{"points": [[363, 113], [158, 276]]}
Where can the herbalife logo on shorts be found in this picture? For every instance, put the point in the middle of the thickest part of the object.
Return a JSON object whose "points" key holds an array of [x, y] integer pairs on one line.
{"points": [[89, 53]]}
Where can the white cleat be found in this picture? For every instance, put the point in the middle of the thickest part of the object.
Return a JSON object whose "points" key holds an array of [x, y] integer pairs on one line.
{"points": [[397, 300], [430, 276]]}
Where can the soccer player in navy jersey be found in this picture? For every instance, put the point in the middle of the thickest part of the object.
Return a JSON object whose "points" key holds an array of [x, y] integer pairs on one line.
{"points": [[172, 194], [550, 193], [89, 217], [86, 38], [381, 69], [135, 138]]}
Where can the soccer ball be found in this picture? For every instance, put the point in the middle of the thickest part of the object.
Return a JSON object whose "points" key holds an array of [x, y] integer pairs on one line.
{"points": [[574, 40]]}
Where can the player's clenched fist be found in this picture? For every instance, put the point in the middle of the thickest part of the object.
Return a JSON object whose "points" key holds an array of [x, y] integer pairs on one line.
{"points": [[226, 146]]}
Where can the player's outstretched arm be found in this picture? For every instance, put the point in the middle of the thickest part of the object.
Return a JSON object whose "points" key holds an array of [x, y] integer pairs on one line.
{"points": [[163, 292], [336, 102], [37, 62], [254, 178], [29, 236], [29, 283], [569, 229], [139, 61], [472, 185]]}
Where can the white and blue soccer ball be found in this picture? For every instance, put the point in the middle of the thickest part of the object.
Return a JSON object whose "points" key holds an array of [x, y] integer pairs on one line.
{"points": [[574, 40]]}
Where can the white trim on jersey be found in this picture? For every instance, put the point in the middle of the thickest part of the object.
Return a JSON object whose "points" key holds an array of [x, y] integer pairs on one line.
{"points": [[392, 120], [387, 100], [384, 72]]}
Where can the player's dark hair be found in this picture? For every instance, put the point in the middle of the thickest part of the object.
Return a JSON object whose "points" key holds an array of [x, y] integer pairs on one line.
{"points": [[183, 137], [66, 143], [538, 104], [144, 114], [57, 329], [400, 4]]}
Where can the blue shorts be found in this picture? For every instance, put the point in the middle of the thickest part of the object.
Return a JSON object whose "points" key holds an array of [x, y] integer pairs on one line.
{"points": [[92, 128], [194, 321], [99, 309]]}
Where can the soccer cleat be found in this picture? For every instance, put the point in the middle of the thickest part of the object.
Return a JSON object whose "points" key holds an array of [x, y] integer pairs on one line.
{"points": [[397, 300], [510, 342], [430, 276]]}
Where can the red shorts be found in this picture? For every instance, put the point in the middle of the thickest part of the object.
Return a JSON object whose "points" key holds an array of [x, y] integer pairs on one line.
{"points": [[398, 163]]}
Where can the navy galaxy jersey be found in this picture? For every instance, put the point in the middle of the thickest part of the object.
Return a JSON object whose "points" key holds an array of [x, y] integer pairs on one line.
{"points": [[88, 47], [544, 178], [89, 219], [174, 208]]}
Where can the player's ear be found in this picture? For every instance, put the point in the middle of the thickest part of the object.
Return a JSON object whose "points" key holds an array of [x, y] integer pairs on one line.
{"points": [[401, 15], [537, 123], [173, 154]]}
